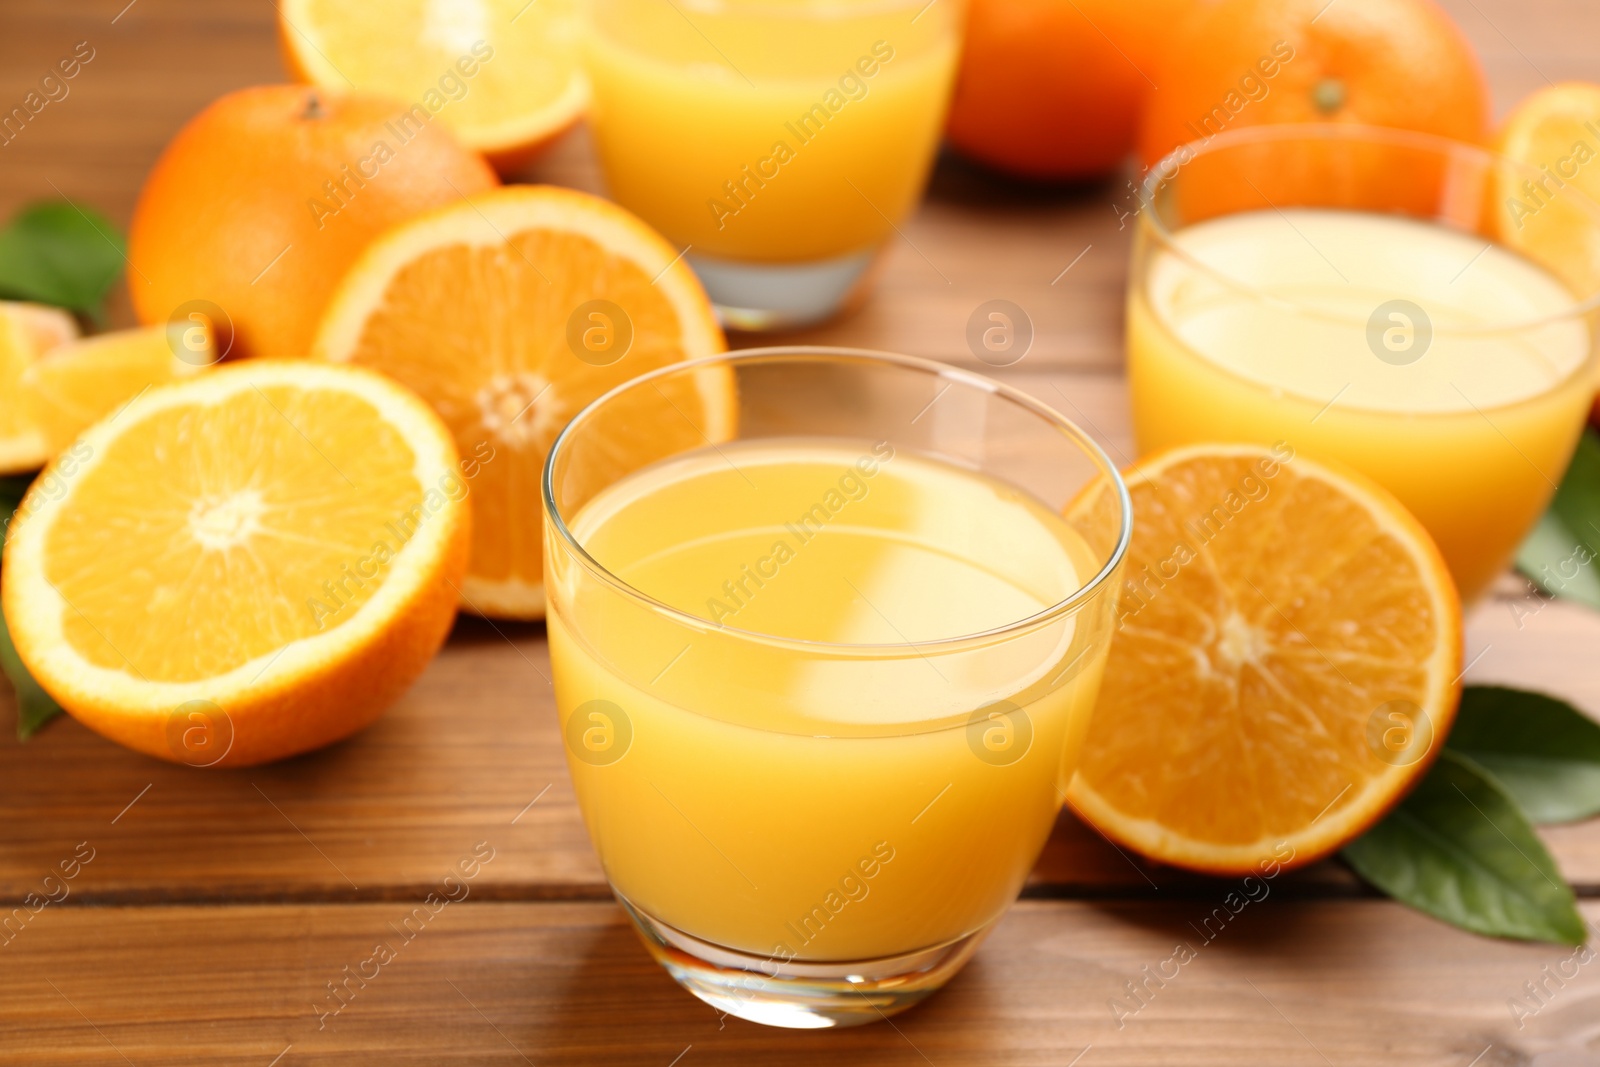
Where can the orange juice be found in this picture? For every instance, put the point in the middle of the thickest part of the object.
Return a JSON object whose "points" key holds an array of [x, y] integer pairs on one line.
{"points": [[1449, 369], [782, 131], [825, 767]]}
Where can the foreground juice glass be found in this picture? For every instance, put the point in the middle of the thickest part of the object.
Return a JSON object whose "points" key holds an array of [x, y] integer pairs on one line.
{"points": [[1419, 309], [823, 680], [780, 141]]}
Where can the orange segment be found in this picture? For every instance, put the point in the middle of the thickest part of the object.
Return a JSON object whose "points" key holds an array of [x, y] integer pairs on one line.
{"points": [[83, 381], [1276, 616], [1549, 209], [26, 332], [508, 314], [503, 74], [278, 541]]}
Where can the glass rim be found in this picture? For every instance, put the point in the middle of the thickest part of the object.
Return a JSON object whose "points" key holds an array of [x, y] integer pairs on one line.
{"points": [[797, 353], [1170, 166]]}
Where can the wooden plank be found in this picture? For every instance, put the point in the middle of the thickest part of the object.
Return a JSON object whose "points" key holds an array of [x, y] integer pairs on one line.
{"points": [[1281, 982]]}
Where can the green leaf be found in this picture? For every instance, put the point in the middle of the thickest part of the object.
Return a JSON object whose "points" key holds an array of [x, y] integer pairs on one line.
{"points": [[1550, 558], [1559, 554], [1458, 849], [1542, 751], [35, 707], [54, 252]]}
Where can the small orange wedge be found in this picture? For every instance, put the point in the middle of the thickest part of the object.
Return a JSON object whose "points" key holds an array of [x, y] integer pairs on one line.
{"points": [[1286, 664], [510, 312], [27, 331], [504, 75], [241, 566], [78, 383]]}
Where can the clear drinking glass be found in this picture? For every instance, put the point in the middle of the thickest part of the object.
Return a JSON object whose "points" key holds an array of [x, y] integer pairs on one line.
{"points": [[779, 141], [814, 801], [1419, 309]]}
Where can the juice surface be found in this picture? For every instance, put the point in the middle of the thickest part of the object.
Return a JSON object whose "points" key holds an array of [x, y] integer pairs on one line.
{"points": [[1471, 435], [818, 801], [758, 133]]}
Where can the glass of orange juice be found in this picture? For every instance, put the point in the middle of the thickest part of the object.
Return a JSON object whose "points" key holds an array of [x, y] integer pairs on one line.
{"points": [[824, 667], [1422, 310], [780, 142]]}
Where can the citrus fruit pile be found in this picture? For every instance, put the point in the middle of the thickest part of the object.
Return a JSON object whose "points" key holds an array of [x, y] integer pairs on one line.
{"points": [[261, 511], [358, 348], [1066, 90], [482, 309]]}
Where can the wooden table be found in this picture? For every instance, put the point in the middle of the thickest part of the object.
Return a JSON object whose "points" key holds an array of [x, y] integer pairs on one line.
{"points": [[218, 907]]}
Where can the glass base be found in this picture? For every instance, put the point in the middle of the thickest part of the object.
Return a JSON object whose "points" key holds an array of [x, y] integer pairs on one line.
{"points": [[801, 995], [765, 296]]}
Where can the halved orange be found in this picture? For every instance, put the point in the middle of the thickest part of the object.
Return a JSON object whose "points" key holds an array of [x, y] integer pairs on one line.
{"points": [[27, 331], [503, 74], [509, 313], [1549, 209], [80, 382], [241, 566], [1286, 663]]}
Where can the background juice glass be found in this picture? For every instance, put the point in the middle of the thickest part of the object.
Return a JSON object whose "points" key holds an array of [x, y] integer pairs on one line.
{"points": [[816, 775], [781, 141], [1397, 302]]}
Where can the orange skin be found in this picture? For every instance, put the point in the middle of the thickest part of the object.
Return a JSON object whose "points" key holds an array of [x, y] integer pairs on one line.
{"points": [[1052, 89], [1400, 63], [322, 706], [242, 182]]}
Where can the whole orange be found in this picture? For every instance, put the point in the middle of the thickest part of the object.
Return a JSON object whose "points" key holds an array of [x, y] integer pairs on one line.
{"points": [[1053, 88], [265, 198], [1227, 64]]}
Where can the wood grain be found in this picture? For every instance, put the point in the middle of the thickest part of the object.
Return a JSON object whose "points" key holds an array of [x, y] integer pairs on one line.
{"points": [[218, 905], [1283, 983]]}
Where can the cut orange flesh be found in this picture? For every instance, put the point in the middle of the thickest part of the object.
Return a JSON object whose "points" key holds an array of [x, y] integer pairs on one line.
{"points": [[278, 543], [509, 313], [80, 382], [1287, 660], [504, 75], [27, 331], [1549, 209]]}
